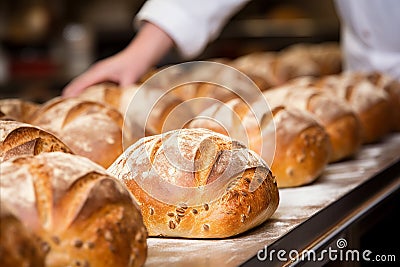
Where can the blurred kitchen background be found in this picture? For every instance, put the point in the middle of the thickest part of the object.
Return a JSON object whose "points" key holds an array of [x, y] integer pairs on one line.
{"points": [[45, 43]]}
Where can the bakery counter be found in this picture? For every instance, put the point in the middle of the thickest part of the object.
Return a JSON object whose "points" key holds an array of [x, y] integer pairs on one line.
{"points": [[312, 217]]}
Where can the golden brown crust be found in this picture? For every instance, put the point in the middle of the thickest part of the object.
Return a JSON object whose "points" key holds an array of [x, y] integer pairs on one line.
{"points": [[292, 65], [149, 111], [303, 148], [303, 159], [90, 129], [277, 68], [237, 211], [20, 139], [18, 246], [346, 137], [261, 64], [106, 93], [18, 109], [337, 117], [371, 105], [81, 215], [327, 56], [392, 88], [196, 192], [272, 134]]}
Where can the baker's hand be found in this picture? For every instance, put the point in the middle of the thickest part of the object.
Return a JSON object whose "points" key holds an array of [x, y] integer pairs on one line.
{"points": [[118, 68], [127, 66]]}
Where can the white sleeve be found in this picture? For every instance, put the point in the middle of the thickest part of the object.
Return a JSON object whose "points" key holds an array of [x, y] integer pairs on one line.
{"points": [[370, 36], [191, 24]]}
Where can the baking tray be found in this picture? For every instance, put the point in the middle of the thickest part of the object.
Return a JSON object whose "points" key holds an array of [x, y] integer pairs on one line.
{"points": [[305, 214]]}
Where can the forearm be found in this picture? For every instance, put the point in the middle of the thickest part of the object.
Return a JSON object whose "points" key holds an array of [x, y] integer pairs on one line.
{"points": [[148, 47]]}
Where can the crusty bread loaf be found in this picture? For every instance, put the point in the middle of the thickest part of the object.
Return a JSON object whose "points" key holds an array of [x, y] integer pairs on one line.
{"points": [[196, 183], [296, 145], [118, 98], [18, 247], [152, 107], [327, 56], [200, 95], [335, 115], [375, 97], [90, 129], [276, 68], [292, 65], [18, 139], [225, 84], [261, 64], [80, 215], [225, 118], [144, 108], [17, 109], [392, 88], [371, 105], [106, 93]]}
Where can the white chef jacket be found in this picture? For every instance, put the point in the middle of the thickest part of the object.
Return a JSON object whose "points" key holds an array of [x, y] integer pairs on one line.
{"points": [[192, 24], [371, 35], [370, 28]]}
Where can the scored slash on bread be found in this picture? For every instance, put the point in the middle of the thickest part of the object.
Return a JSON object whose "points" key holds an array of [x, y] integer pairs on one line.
{"points": [[294, 143], [213, 188], [145, 109], [90, 129], [371, 104], [336, 116], [19, 139], [79, 215]]}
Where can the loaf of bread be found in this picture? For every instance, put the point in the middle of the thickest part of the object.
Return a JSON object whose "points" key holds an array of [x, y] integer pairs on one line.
{"points": [[200, 95], [17, 109], [276, 68], [371, 105], [213, 79], [335, 115], [392, 88], [18, 246], [196, 183], [88, 128], [118, 98], [227, 83], [261, 64], [292, 65], [80, 215], [291, 140], [19, 139], [147, 108], [326, 56]]}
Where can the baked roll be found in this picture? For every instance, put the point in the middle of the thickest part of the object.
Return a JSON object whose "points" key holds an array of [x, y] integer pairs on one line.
{"points": [[80, 215], [88, 128], [196, 183]]}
